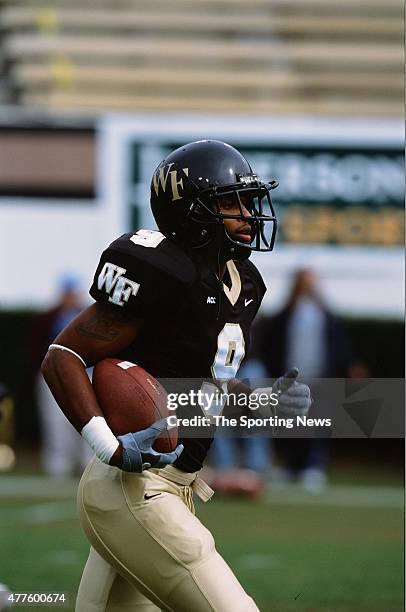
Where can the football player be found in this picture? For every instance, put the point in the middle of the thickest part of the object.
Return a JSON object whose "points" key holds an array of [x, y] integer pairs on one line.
{"points": [[178, 302]]}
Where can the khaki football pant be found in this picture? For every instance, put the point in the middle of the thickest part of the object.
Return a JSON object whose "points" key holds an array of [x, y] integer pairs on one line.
{"points": [[149, 551]]}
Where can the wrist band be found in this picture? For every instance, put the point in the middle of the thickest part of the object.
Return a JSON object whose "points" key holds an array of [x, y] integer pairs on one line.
{"points": [[100, 437]]}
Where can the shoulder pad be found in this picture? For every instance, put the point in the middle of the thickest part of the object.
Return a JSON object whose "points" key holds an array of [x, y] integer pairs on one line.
{"points": [[155, 250], [138, 272]]}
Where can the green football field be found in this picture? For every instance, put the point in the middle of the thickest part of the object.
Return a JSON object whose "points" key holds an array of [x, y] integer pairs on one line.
{"points": [[341, 550]]}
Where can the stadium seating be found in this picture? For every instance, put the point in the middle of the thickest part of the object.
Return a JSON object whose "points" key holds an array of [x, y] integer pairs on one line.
{"points": [[253, 55]]}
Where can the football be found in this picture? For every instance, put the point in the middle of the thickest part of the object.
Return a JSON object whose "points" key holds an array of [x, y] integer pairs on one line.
{"points": [[132, 400]]}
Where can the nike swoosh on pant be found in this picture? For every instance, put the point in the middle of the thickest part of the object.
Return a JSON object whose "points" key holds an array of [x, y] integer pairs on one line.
{"points": [[151, 496]]}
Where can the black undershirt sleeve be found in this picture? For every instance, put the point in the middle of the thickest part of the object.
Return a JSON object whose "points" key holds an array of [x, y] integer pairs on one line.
{"points": [[194, 453]]}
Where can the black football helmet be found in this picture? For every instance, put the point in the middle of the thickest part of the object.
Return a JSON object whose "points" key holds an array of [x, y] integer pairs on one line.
{"points": [[186, 192]]}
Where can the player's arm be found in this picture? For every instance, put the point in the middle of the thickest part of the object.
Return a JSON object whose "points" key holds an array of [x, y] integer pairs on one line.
{"points": [[99, 332]]}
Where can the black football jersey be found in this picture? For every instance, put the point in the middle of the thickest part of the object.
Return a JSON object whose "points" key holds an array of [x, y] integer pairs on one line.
{"points": [[195, 326]]}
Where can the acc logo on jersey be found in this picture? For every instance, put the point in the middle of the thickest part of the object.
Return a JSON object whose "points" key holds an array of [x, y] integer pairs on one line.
{"points": [[160, 180], [113, 280]]}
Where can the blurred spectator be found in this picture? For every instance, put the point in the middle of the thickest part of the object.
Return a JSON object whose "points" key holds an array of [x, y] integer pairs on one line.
{"points": [[7, 456], [241, 464], [306, 334], [63, 450]]}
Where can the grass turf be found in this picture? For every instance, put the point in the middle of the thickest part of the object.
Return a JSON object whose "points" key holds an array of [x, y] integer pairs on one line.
{"points": [[290, 556]]}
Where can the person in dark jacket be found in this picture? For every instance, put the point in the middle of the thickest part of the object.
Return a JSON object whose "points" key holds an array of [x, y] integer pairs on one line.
{"points": [[306, 334]]}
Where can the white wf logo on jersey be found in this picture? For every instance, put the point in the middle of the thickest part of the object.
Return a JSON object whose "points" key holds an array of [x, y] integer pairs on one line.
{"points": [[113, 280]]}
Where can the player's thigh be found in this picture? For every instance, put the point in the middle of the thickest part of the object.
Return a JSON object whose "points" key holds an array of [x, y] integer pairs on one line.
{"points": [[156, 542], [149, 541], [193, 576]]}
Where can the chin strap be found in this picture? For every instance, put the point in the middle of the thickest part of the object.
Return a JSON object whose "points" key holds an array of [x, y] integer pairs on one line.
{"points": [[233, 250], [227, 249]]}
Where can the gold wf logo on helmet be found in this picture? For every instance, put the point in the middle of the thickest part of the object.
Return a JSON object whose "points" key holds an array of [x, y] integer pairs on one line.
{"points": [[161, 178]]}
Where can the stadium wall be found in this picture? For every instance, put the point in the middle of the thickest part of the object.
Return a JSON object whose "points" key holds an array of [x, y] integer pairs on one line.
{"points": [[340, 205]]}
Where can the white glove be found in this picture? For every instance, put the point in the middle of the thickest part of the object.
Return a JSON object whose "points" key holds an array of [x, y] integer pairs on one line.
{"points": [[293, 397]]}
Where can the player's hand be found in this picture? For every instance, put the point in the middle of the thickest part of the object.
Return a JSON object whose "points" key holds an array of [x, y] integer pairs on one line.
{"points": [[293, 397], [138, 454]]}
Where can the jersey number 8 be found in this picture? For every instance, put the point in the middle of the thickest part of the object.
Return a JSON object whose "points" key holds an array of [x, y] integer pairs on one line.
{"points": [[230, 352]]}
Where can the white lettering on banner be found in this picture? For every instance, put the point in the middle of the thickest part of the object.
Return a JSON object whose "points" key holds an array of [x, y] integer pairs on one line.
{"points": [[327, 177]]}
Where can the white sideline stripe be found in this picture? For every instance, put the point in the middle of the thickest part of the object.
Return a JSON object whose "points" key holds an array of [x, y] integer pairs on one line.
{"points": [[40, 514], [38, 486], [340, 495], [334, 495]]}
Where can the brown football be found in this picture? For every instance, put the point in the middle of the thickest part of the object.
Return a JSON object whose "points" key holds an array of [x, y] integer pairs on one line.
{"points": [[131, 400]]}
